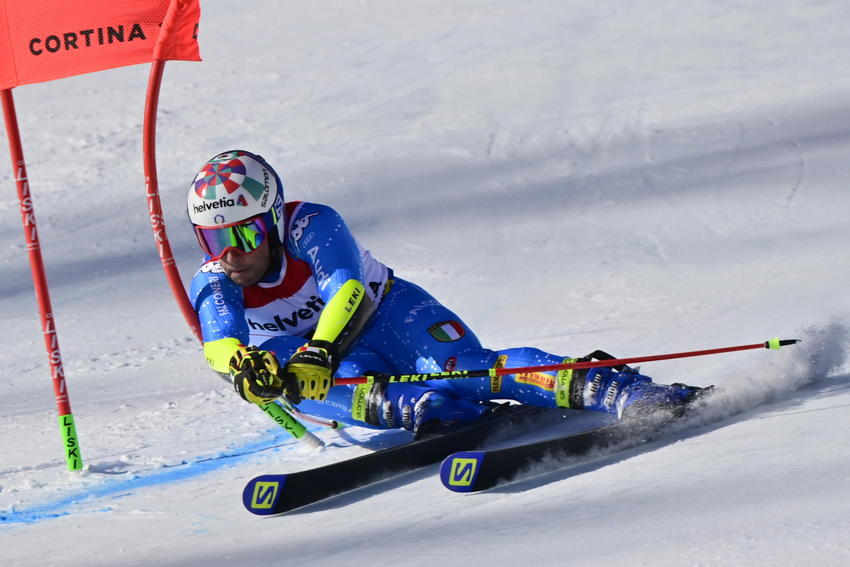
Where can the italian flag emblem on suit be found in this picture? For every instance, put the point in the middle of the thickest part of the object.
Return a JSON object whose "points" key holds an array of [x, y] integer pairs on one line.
{"points": [[447, 331]]}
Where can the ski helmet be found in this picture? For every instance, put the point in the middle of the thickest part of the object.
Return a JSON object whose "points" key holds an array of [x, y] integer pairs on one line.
{"points": [[232, 187]]}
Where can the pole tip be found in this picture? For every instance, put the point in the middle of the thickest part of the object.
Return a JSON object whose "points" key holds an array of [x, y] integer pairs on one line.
{"points": [[776, 342]]}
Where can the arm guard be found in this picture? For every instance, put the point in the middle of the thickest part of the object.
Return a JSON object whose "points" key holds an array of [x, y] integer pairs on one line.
{"points": [[219, 352], [343, 318]]}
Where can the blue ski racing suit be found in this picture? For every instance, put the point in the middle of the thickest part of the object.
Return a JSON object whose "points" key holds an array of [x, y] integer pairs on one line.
{"points": [[408, 332]]}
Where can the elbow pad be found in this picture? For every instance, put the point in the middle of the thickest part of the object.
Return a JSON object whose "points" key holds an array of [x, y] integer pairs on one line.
{"points": [[343, 318]]}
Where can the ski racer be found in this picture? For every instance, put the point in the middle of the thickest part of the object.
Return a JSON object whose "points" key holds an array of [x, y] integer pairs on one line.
{"points": [[288, 299]]}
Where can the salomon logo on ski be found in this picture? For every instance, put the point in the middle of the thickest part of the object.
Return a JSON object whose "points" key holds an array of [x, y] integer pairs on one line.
{"points": [[459, 471], [262, 494]]}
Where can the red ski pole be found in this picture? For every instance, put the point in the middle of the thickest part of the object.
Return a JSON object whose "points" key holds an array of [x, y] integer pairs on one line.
{"points": [[575, 365]]}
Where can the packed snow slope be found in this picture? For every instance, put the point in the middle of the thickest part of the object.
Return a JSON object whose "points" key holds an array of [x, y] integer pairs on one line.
{"points": [[643, 177]]}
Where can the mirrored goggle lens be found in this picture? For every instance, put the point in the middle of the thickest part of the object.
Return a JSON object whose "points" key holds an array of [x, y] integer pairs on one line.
{"points": [[245, 237]]}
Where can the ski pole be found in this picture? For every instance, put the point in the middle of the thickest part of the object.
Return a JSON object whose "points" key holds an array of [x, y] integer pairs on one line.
{"points": [[291, 425], [330, 423], [574, 365]]}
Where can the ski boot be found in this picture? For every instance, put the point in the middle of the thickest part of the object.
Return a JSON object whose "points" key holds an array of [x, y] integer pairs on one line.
{"points": [[435, 413], [414, 407], [660, 401], [625, 392]]}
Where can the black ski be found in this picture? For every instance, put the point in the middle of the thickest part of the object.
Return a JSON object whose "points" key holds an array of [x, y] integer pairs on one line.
{"points": [[277, 493], [473, 471]]}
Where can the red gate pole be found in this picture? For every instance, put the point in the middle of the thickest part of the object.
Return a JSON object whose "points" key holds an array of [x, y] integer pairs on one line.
{"points": [[154, 205], [73, 458]]}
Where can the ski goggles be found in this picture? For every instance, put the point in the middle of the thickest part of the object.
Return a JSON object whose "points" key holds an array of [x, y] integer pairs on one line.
{"points": [[245, 236]]}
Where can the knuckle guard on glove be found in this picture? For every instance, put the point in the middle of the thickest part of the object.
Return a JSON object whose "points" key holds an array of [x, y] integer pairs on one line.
{"points": [[256, 376], [311, 368]]}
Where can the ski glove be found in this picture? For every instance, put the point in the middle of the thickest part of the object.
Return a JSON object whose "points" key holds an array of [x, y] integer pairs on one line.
{"points": [[312, 367], [257, 376]]}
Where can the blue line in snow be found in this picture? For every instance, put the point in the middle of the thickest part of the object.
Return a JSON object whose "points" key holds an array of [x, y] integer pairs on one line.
{"points": [[140, 479]]}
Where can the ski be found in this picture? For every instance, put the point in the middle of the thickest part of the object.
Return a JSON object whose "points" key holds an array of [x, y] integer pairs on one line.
{"points": [[474, 471], [277, 493]]}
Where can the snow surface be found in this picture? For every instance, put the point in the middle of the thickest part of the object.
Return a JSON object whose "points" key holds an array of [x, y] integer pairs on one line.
{"points": [[642, 177]]}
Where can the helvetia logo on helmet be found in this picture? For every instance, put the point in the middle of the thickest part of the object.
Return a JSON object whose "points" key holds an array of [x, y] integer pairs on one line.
{"points": [[219, 204]]}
